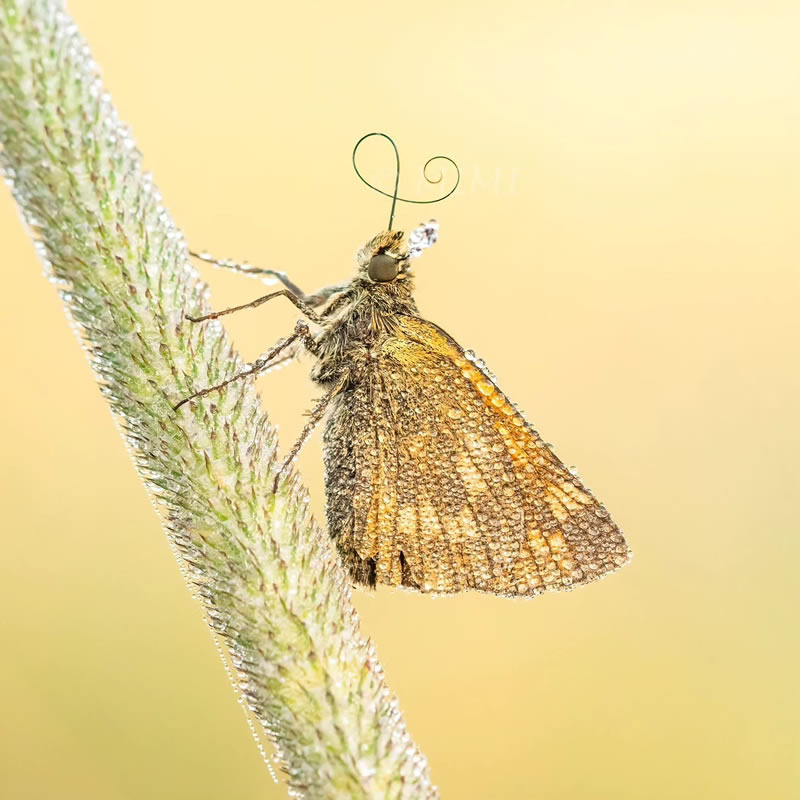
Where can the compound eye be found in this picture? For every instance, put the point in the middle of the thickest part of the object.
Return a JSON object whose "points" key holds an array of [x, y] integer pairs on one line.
{"points": [[382, 268]]}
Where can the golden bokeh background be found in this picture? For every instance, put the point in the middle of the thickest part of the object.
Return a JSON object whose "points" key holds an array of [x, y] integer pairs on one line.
{"points": [[623, 253]]}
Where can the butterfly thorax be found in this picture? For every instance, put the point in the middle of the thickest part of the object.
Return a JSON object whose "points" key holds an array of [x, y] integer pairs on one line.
{"points": [[356, 332]]}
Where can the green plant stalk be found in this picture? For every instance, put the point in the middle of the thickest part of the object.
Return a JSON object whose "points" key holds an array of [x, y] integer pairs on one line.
{"points": [[268, 577]]}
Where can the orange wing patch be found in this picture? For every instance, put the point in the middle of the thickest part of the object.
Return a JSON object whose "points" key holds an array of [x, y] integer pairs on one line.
{"points": [[454, 489]]}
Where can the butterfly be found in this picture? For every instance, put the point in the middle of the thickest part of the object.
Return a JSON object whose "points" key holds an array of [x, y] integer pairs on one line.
{"points": [[435, 480]]}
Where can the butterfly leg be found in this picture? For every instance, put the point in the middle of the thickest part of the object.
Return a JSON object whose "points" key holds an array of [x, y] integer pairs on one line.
{"points": [[269, 359], [313, 420], [315, 299], [307, 310]]}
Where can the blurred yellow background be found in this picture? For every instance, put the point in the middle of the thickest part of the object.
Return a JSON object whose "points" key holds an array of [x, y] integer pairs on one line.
{"points": [[623, 253]]}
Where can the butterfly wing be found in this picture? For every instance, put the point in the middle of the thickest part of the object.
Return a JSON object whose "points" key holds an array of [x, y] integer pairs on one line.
{"points": [[437, 482]]}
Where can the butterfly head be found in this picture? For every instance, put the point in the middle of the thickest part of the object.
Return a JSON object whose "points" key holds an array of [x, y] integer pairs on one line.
{"points": [[386, 258]]}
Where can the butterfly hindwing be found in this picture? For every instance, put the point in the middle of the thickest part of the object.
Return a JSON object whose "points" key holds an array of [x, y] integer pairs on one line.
{"points": [[446, 486]]}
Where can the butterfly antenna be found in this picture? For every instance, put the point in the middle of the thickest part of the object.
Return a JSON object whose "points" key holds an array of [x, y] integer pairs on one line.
{"points": [[394, 195]]}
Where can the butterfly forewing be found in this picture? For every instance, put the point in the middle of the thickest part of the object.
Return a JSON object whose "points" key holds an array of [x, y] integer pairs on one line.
{"points": [[436, 482]]}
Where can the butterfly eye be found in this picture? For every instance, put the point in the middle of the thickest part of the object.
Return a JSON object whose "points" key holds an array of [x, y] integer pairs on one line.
{"points": [[382, 268]]}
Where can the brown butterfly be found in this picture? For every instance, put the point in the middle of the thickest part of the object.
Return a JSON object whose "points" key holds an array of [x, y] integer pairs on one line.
{"points": [[434, 480]]}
